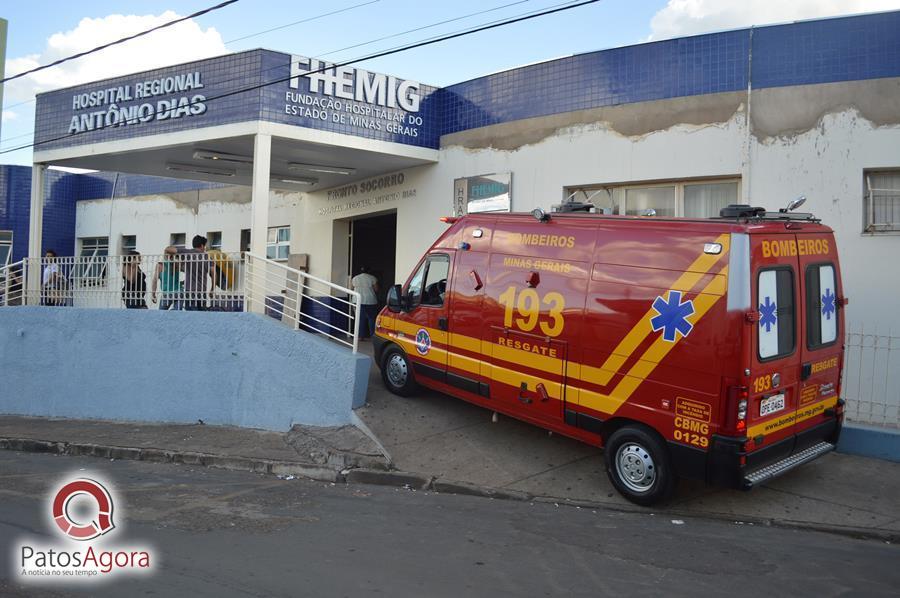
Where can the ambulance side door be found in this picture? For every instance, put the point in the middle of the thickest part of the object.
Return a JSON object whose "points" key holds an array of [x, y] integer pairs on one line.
{"points": [[424, 325]]}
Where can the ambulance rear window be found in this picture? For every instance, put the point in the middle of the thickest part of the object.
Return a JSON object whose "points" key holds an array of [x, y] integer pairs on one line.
{"points": [[821, 306], [775, 300]]}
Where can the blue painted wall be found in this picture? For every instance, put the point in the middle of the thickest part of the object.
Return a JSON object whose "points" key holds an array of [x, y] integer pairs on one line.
{"points": [[61, 191], [237, 369]]}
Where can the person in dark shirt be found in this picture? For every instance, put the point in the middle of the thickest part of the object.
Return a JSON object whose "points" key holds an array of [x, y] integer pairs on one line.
{"points": [[134, 285], [196, 266]]}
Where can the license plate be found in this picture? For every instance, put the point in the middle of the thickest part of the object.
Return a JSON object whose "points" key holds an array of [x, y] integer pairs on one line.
{"points": [[771, 405]]}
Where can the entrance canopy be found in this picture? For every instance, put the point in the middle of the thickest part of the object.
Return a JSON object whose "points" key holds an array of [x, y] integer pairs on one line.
{"points": [[258, 118]]}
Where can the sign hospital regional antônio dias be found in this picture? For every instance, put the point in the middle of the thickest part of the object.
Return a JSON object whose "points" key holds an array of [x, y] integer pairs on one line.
{"points": [[257, 85]]}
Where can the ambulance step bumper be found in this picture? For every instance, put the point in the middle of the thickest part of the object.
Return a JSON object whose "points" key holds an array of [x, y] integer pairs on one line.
{"points": [[774, 470]]}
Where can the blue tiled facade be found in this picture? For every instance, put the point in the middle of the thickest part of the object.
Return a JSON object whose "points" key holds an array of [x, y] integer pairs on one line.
{"points": [[822, 51], [61, 191]]}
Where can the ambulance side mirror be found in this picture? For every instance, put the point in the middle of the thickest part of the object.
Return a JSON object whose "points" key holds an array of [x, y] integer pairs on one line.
{"points": [[395, 299]]}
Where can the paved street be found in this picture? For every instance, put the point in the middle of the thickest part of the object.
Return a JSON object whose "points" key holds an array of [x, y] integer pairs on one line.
{"points": [[222, 533]]}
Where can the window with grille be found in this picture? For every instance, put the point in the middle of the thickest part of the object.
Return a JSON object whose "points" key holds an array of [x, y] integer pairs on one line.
{"points": [[91, 265], [882, 201]]}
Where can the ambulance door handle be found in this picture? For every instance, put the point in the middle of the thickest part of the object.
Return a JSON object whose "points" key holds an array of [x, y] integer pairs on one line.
{"points": [[805, 371], [442, 323]]}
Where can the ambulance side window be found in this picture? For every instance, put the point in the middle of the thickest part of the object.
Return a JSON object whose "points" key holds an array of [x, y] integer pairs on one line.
{"points": [[414, 290], [429, 284], [436, 280], [821, 306], [775, 299]]}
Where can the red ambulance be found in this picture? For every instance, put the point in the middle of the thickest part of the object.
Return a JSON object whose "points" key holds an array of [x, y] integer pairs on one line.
{"points": [[698, 348]]}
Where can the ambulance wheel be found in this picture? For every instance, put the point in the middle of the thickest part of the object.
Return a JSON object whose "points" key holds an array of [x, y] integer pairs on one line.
{"points": [[638, 465], [396, 371]]}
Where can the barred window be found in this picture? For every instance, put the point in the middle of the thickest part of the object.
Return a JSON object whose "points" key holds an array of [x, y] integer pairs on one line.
{"points": [[882, 202]]}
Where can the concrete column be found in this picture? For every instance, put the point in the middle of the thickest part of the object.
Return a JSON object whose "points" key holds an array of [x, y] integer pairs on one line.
{"points": [[259, 221], [259, 195], [35, 232]]}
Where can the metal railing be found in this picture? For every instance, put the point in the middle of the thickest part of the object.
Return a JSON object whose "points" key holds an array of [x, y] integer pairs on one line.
{"points": [[871, 378], [12, 284], [191, 280], [302, 301]]}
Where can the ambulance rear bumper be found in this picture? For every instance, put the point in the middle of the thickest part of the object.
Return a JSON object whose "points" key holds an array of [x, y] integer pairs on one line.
{"points": [[730, 466], [754, 478]]}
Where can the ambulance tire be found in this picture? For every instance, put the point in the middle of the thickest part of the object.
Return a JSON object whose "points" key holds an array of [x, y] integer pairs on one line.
{"points": [[638, 465], [397, 372]]}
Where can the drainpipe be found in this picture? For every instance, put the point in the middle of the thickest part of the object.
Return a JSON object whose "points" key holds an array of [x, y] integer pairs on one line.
{"points": [[746, 183]]}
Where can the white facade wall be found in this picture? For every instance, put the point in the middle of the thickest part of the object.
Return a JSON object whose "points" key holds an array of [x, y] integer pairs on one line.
{"points": [[153, 218]]}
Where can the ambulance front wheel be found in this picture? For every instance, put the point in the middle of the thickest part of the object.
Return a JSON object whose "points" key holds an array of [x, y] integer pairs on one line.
{"points": [[638, 465], [396, 371]]}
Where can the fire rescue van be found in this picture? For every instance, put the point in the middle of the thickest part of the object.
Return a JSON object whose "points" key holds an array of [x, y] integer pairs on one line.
{"points": [[707, 349]]}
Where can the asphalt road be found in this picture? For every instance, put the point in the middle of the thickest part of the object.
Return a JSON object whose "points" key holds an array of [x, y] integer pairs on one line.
{"points": [[221, 533]]}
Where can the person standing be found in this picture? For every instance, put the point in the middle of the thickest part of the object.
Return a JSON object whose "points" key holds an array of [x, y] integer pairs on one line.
{"points": [[366, 285], [168, 276], [53, 283], [134, 282], [197, 267]]}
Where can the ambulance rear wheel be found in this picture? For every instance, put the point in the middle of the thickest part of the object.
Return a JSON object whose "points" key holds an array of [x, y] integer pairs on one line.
{"points": [[638, 465], [396, 372]]}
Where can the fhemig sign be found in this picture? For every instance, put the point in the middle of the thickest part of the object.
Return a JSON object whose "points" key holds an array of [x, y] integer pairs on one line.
{"points": [[354, 97], [144, 101]]}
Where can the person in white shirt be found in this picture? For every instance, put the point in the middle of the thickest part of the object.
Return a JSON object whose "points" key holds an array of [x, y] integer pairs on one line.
{"points": [[367, 286], [53, 283]]}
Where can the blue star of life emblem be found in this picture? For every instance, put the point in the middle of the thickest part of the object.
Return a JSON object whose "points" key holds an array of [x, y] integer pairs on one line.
{"points": [[423, 341], [672, 316], [828, 304], [768, 315]]}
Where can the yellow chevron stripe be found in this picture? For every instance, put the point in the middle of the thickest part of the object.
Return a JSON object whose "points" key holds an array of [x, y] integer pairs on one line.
{"points": [[636, 336], [654, 354]]}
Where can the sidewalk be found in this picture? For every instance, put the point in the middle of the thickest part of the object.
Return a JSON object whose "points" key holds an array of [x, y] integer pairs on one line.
{"points": [[450, 439], [439, 443]]}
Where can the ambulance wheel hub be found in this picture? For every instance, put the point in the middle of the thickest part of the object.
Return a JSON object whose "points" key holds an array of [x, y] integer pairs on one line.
{"points": [[397, 370], [635, 467]]}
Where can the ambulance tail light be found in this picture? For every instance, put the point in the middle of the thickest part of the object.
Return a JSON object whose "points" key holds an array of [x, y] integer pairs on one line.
{"points": [[449, 219], [736, 409]]}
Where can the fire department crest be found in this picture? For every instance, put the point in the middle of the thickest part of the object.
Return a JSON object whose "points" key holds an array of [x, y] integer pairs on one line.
{"points": [[423, 341]]}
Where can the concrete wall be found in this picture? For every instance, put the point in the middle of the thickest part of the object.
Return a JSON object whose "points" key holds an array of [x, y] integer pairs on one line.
{"points": [[227, 369]]}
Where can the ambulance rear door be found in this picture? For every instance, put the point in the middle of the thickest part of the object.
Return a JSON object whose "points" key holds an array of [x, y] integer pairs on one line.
{"points": [[775, 362], [821, 339]]}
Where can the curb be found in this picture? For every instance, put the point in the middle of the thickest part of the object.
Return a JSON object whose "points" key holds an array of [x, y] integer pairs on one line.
{"points": [[154, 455], [401, 479]]}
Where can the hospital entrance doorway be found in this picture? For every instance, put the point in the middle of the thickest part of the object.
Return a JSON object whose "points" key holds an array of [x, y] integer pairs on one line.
{"points": [[373, 244]]}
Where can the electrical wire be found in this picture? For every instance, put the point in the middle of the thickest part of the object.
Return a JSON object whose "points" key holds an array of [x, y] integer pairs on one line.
{"points": [[119, 41], [306, 20], [379, 54]]}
